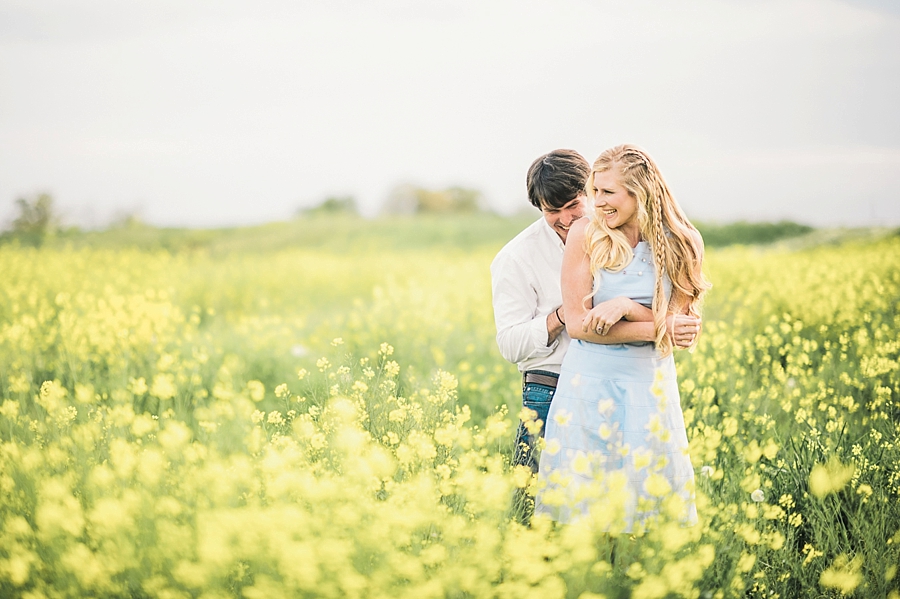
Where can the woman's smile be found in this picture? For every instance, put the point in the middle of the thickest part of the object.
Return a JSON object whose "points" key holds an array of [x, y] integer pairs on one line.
{"points": [[612, 201]]}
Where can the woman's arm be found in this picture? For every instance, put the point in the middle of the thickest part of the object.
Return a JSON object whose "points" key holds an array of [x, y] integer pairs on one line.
{"points": [[577, 283], [682, 328], [605, 314]]}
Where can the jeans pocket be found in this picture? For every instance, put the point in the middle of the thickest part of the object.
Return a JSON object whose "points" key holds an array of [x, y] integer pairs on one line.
{"points": [[538, 397]]}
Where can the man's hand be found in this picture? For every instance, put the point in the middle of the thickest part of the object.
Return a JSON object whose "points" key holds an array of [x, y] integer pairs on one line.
{"points": [[683, 329]]}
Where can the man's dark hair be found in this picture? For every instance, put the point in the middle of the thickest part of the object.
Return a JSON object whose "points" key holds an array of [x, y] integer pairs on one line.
{"points": [[557, 178]]}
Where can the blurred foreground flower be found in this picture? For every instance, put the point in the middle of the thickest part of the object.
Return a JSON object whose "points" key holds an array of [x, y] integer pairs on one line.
{"points": [[830, 477], [843, 575]]}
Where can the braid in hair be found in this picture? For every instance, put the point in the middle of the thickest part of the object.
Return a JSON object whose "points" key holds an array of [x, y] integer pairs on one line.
{"points": [[676, 244], [640, 168], [661, 259]]}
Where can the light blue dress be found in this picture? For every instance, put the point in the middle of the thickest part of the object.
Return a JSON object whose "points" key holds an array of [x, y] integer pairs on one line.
{"points": [[616, 444]]}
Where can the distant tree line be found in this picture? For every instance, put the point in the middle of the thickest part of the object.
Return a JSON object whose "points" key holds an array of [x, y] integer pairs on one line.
{"points": [[745, 233], [332, 205], [408, 199], [37, 220], [411, 199]]}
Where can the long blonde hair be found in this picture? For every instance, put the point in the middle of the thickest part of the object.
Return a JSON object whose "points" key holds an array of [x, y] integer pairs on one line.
{"points": [[673, 240]]}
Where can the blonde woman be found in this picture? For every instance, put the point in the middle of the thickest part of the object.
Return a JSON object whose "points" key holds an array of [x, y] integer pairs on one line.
{"points": [[631, 287]]}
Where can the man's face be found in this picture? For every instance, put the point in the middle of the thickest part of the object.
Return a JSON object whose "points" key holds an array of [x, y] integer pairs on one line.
{"points": [[560, 219]]}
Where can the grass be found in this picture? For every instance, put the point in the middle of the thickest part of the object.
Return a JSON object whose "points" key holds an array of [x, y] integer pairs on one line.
{"points": [[318, 409]]}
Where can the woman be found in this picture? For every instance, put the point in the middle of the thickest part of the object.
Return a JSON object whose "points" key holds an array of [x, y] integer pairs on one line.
{"points": [[631, 284]]}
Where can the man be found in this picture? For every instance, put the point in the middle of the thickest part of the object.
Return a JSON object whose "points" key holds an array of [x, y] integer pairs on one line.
{"points": [[527, 299]]}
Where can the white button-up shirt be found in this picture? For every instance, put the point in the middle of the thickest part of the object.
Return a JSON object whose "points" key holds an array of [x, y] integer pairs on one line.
{"points": [[525, 285]]}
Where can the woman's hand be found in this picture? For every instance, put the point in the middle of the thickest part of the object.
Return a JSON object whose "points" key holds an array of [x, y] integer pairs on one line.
{"points": [[683, 329], [604, 315]]}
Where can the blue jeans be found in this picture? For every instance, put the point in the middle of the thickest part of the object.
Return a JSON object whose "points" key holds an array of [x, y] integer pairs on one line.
{"points": [[534, 397]]}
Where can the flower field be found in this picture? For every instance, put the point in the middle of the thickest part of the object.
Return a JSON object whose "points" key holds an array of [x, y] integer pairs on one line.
{"points": [[321, 422]]}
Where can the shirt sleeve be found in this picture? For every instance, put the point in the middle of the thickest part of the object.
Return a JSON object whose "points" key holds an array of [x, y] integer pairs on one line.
{"points": [[521, 329]]}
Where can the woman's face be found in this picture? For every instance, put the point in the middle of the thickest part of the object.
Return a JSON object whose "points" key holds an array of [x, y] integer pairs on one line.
{"points": [[612, 201]]}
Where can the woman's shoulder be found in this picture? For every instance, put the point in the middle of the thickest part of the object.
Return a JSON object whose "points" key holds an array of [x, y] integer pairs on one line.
{"points": [[578, 230]]}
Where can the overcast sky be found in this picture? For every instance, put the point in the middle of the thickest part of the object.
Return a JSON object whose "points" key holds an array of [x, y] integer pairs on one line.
{"points": [[210, 113]]}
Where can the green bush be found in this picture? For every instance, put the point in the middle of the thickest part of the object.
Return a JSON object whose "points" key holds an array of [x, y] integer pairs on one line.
{"points": [[746, 233]]}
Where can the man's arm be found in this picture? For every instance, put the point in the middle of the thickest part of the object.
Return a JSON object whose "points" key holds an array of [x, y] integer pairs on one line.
{"points": [[522, 332], [555, 325]]}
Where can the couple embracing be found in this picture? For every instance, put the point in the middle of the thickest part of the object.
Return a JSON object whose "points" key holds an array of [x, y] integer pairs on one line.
{"points": [[589, 302]]}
